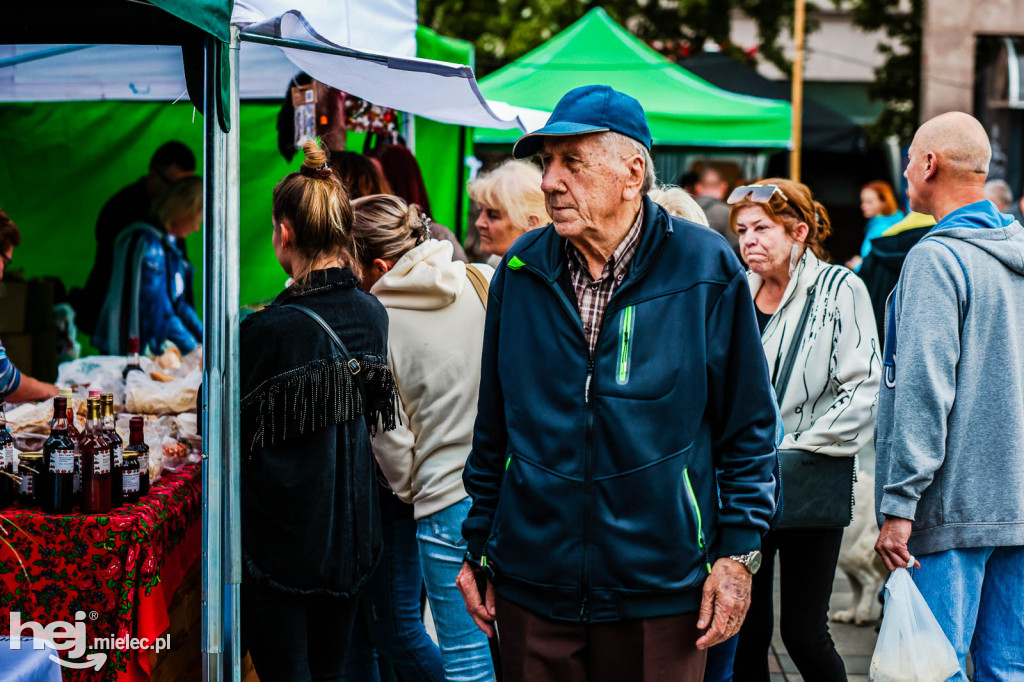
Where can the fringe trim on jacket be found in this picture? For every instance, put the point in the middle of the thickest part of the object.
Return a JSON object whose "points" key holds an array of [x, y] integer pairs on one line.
{"points": [[320, 394]]}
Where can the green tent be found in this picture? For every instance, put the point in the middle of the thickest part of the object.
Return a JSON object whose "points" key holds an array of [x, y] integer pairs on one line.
{"points": [[682, 109]]}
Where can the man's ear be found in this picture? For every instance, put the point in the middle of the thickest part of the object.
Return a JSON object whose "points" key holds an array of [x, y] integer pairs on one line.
{"points": [[931, 166], [635, 179], [381, 266]]}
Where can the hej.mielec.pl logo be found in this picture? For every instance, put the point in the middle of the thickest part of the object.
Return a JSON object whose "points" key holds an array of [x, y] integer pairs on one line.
{"points": [[63, 636]]}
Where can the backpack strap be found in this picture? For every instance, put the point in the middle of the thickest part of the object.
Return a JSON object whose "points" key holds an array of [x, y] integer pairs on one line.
{"points": [[479, 282]]}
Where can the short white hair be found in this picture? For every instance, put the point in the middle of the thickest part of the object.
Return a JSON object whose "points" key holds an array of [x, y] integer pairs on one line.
{"points": [[999, 193], [678, 202], [650, 178]]}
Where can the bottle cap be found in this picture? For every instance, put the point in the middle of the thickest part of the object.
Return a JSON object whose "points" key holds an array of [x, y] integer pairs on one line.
{"points": [[133, 346], [67, 393], [94, 393]]}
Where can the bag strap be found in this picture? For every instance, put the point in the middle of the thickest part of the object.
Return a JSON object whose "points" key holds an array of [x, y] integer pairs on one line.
{"points": [[353, 364], [782, 381], [479, 282]]}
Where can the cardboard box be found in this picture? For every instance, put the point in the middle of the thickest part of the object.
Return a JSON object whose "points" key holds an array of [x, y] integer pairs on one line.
{"points": [[13, 305]]}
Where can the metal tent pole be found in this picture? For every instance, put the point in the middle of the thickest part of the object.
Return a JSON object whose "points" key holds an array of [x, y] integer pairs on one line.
{"points": [[214, 269], [232, 383]]}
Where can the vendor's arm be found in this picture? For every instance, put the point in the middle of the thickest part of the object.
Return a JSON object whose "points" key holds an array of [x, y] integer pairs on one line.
{"points": [[848, 424]]}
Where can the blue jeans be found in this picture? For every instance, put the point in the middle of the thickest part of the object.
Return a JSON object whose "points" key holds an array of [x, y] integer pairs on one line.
{"points": [[719, 663], [977, 595], [464, 648], [390, 620]]}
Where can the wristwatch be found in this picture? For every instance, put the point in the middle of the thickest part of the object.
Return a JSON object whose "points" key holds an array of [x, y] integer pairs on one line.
{"points": [[751, 560]]}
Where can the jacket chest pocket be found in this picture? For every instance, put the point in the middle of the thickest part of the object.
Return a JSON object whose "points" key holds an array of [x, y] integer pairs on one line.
{"points": [[641, 350]]}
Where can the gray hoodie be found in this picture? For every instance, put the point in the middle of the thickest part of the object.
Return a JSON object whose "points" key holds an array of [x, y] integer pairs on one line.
{"points": [[950, 432]]}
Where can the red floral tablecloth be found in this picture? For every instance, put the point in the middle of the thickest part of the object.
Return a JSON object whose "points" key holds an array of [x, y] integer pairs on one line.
{"points": [[121, 569]]}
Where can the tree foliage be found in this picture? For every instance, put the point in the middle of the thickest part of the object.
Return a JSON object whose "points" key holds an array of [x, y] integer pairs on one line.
{"points": [[898, 81], [503, 30]]}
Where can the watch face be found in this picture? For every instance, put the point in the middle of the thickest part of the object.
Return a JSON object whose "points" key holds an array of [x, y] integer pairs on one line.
{"points": [[754, 562]]}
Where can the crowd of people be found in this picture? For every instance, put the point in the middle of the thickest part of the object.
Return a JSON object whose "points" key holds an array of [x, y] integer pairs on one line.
{"points": [[582, 440], [573, 452]]}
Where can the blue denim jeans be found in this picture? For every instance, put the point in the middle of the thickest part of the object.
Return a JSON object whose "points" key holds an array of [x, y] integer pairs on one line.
{"points": [[464, 648], [977, 595], [719, 663], [390, 621]]}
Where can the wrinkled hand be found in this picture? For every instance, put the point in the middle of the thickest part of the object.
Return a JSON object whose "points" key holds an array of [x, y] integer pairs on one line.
{"points": [[483, 613], [725, 603], [892, 543]]}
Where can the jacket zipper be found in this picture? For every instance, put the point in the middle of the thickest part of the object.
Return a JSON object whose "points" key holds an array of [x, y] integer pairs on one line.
{"points": [[625, 344], [696, 510], [587, 457]]}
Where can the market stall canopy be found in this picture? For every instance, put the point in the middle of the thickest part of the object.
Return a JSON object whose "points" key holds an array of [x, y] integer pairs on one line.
{"points": [[378, 42], [824, 128], [682, 109]]}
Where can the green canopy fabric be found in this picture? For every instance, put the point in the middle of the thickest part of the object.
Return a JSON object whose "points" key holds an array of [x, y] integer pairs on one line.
{"points": [[682, 109], [213, 16]]}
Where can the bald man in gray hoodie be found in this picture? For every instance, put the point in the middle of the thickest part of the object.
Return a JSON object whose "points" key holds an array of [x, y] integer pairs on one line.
{"points": [[950, 430]]}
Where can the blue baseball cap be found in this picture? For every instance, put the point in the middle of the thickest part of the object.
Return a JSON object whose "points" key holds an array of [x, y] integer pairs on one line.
{"points": [[589, 109]]}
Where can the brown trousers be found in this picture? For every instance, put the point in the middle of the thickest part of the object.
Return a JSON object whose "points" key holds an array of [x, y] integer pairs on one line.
{"points": [[537, 649]]}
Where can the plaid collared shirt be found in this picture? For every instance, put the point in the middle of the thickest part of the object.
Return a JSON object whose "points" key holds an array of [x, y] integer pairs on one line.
{"points": [[592, 295]]}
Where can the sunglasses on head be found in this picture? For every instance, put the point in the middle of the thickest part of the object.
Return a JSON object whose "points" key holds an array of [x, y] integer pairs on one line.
{"points": [[760, 194]]}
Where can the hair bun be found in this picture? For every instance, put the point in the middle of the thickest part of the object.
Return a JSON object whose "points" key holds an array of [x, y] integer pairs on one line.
{"points": [[315, 165]]}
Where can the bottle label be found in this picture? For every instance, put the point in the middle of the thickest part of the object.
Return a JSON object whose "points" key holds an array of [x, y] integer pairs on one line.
{"points": [[131, 482], [62, 462], [7, 456], [101, 462], [118, 456], [144, 463], [26, 487]]}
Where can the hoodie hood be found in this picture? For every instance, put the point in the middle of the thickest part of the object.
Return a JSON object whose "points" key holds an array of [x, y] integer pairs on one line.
{"points": [[982, 225], [425, 278]]}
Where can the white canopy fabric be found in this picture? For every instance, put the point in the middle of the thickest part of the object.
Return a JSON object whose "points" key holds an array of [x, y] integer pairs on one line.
{"points": [[437, 90], [382, 70]]}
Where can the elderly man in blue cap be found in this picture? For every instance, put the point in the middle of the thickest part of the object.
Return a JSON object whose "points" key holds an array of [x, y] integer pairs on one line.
{"points": [[623, 455]]}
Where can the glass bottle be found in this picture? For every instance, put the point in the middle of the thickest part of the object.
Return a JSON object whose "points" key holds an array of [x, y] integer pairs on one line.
{"points": [[95, 450], [31, 471], [56, 489], [69, 395], [137, 444], [7, 479], [116, 450], [134, 365], [130, 480]]}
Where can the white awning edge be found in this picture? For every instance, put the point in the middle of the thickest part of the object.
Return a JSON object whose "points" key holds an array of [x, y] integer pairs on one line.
{"points": [[440, 91]]}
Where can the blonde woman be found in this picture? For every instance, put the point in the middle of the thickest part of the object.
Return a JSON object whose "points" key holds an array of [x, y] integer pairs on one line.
{"points": [[678, 202], [511, 204], [436, 322]]}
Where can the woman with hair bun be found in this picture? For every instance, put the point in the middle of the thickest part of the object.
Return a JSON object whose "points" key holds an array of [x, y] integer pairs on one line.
{"points": [[436, 310], [823, 312], [315, 385]]}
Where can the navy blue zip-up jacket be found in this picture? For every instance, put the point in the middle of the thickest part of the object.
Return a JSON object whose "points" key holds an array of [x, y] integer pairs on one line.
{"points": [[593, 479]]}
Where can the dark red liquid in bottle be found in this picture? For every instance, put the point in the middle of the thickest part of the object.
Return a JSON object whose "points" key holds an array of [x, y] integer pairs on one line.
{"points": [[95, 450], [133, 358], [137, 444], [57, 480], [116, 451]]}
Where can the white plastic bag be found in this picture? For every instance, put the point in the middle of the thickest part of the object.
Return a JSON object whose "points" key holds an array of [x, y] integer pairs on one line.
{"points": [[911, 645]]}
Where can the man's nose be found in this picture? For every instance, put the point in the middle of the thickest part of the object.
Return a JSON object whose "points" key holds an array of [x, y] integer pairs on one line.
{"points": [[550, 181]]}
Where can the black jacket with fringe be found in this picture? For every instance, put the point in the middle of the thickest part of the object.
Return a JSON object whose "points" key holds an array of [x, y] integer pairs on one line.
{"points": [[310, 510]]}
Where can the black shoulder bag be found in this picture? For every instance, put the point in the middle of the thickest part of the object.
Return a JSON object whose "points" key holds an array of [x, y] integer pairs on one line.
{"points": [[818, 489]]}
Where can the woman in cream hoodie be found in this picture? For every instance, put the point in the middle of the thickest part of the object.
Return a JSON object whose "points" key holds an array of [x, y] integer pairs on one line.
{"points": [[435, 341]]}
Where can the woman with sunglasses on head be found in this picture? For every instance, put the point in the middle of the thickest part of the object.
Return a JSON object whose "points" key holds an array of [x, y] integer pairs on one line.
{"points": [[827, 405]]}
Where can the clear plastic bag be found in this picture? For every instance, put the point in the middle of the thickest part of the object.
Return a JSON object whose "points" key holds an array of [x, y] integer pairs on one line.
{"points": [[911, 645]]}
